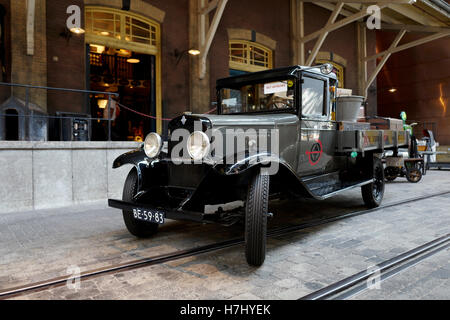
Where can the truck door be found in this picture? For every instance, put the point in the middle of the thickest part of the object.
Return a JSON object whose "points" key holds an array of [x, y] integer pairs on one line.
{"points": [[317, 134]]}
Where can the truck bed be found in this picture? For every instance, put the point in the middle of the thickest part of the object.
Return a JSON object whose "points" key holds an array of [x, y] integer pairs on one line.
{"points": [[371, 140]]}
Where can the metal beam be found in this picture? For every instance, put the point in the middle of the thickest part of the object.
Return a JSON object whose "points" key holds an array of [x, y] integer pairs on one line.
{"points": [[413, 28], [206, 40], [340, 24], [297, 32], [384, 16], [415, 14], [362, 53], [358, 7], [385, 58], [31, 6], [330, 6], [410, 45], [209, 7], [324, 34], [365, 1]]}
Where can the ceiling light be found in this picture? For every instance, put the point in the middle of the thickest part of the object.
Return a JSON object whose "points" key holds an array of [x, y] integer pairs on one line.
{"points": [[133, 60], [77, 30], [393, 90]]}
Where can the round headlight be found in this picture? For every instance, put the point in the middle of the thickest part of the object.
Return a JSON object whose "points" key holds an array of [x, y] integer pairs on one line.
{"points": [[198, 145], [152, 145]]}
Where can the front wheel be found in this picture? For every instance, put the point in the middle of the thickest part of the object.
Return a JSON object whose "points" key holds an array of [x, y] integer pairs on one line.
{"points": [[373, 192], [256, 210], [141, 229]]}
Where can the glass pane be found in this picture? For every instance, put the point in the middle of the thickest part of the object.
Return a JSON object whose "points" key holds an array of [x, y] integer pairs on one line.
{"points": [[141, 33], [278, 95], [141, 40], [103, 16], [312, 96], [141, 24]]}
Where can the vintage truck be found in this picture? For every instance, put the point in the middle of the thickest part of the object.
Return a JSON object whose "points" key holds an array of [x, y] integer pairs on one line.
{"points": [[205, 176]]}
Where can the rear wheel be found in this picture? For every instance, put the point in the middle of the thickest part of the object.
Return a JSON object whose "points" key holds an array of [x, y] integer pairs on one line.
{"points": [[391, 173], [373, 193], [137, 228], [414, 175], [256, 211]]}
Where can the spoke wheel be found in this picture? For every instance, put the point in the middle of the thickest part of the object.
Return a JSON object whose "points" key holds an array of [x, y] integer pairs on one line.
{"points": [[414, 175]]}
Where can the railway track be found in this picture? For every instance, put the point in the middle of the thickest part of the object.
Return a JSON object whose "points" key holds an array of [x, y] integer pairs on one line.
{"points": [[362, 281], [140, 263]]}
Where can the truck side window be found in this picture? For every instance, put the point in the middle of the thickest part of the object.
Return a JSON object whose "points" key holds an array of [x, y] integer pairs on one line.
{"points": [[313, 97]]}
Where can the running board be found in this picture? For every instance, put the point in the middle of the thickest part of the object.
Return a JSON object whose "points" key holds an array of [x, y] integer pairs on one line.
{"points": [[333, 193], [325, 186]]}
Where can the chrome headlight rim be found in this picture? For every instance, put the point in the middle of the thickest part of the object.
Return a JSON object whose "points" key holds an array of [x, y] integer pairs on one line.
{"points": [[155, 149], [206, 145]]}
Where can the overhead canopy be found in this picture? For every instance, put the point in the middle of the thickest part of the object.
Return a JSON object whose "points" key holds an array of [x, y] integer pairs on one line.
{"points": [[430, 16], [435, 13]]}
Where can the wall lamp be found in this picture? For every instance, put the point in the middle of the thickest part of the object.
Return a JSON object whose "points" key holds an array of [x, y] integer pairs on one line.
{"points": [[179, 55], [67, 33]]}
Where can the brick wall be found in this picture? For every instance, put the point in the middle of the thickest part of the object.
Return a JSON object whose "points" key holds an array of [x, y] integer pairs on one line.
{"points": [[65, 59], [29, 69]]}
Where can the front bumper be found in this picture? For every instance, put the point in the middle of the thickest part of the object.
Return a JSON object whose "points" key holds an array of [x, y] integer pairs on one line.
{"points": [[169, 213]]}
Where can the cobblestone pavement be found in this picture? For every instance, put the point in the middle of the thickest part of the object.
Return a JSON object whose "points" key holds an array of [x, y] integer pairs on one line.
{"points": [[40, 245]]}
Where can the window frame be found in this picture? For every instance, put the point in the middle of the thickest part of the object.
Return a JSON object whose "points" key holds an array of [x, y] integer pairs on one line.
{"points": [[93, 34], [248, 66], [326, 97], [293, 110]]}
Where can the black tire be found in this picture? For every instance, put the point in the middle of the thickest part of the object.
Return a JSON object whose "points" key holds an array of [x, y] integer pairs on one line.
{"points": [[373, 193], [390, 173], [137, 228], [256, 209], [414, 175]]}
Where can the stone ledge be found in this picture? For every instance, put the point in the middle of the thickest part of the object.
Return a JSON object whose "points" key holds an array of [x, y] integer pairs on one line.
{"points": [[69, 145]]}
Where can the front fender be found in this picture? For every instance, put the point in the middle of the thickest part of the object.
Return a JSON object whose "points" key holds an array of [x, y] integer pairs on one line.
{"points": [[133, 157], [137, 158]]}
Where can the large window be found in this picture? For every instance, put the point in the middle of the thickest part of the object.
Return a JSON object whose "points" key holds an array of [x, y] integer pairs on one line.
{"points": [[270, 96], [249, 56], [104, 23], [313, 91]]}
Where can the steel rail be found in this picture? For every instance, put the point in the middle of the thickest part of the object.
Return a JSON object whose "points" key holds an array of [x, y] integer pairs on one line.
{"points": [[384, 270], [58, 281]]}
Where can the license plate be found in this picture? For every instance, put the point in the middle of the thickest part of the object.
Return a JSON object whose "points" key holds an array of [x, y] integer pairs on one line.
{"points": [[154, 216]]}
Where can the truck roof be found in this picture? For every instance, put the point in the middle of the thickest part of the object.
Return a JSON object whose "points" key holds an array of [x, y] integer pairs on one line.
{"points": [[284, 72]]}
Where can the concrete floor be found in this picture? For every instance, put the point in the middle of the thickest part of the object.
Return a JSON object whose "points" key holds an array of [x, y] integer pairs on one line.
{"points": [[40, 245]]}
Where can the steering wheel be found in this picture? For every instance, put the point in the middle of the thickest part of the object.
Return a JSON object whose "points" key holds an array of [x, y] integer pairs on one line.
{"points": [[280, 103]]}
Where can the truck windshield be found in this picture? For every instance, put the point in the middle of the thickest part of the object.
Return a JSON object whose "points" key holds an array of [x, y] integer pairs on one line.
{"points": [[261, 97]]}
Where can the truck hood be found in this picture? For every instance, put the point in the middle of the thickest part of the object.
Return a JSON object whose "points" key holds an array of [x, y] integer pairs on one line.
{"points": [[223, 122]]}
